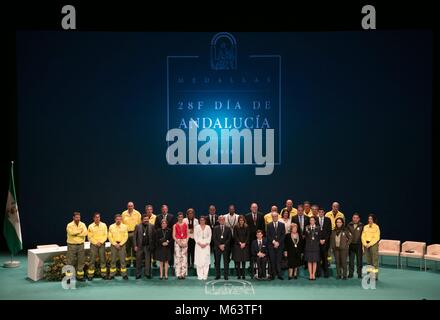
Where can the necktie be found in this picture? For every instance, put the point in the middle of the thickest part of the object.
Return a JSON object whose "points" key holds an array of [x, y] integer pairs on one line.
{"points": [[321, 222], [301, 222], [255, 217], [223, 229], [259, 244]]}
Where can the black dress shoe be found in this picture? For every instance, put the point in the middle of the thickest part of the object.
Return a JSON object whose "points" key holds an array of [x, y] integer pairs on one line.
{"points": [[280, 278], [80, 279], [238, 277], [90, 278], [243, 277], [359, 276], [217, 277], [295, 277], [149, 277], [125, 277], [226, 278], [326, 275], [110, 278], [344, 278], [350, 275], [289, 278], [138, 277]]}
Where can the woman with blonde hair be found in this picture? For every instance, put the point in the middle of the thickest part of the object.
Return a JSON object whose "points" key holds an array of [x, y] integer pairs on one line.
{"points": [[293, 248]]}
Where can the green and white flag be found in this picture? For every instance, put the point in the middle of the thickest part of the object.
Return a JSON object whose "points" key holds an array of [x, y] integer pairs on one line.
{"points": [[11, 227]]}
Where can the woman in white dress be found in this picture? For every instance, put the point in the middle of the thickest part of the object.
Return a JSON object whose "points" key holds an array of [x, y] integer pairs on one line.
{"points": [[202, 256], [285, 218]]}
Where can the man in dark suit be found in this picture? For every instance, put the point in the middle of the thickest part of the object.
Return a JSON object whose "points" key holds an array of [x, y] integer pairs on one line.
{"points": [[276, 232], [212, 221], [255, 221], [325, 225], [212, 218], [259, 255], [164, 215], [222, 243], [301, 220], [143, 243]]}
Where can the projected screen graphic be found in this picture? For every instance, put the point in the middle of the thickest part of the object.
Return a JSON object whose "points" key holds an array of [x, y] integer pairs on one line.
{"points": [[224, 106], [193, 119]]}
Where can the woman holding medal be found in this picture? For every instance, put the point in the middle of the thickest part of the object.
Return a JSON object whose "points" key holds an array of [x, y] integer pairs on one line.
{"points": [[340, 240], [180, 236], [311, 253], [293, 248], [163, 248], [202, 256]]}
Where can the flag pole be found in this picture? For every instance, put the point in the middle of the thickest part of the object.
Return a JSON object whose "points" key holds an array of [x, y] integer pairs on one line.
{"points": [[13, 263]]}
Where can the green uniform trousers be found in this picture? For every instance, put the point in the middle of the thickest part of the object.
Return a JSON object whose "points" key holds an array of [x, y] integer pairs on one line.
{"points": [[97, 252], [118, 254], [76, 258]]}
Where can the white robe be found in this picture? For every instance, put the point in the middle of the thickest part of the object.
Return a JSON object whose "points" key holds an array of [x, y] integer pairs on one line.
{"points": [[202, 256]]}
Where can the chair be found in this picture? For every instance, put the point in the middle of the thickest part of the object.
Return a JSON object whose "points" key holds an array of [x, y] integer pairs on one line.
{"points": [[432, 253], [389, 248], [417, 251]]}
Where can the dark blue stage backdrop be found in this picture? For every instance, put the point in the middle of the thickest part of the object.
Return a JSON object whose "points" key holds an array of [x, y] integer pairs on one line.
{"points": [[342, 116]]}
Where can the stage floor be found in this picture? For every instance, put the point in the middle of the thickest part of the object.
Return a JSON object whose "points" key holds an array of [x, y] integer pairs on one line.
{"points": [[393, 284]]}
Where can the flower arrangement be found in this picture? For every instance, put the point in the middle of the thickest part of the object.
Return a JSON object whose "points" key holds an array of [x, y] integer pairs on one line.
{"points": [[53, 270]]}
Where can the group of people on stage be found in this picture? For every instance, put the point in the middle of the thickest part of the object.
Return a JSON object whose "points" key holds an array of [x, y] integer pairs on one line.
{"points": [[293, 238]]}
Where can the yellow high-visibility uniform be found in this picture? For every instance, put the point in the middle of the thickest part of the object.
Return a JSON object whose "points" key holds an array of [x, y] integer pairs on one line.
{"points": [[333, 217], [131, 220], [371, 234], [76, 234], [118, 234], [309, 214], [97, 233], [293, 212], [268, 218], [152, 219]]}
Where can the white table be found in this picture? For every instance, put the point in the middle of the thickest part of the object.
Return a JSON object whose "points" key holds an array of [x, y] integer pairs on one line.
{"points": [[37, 258]]}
